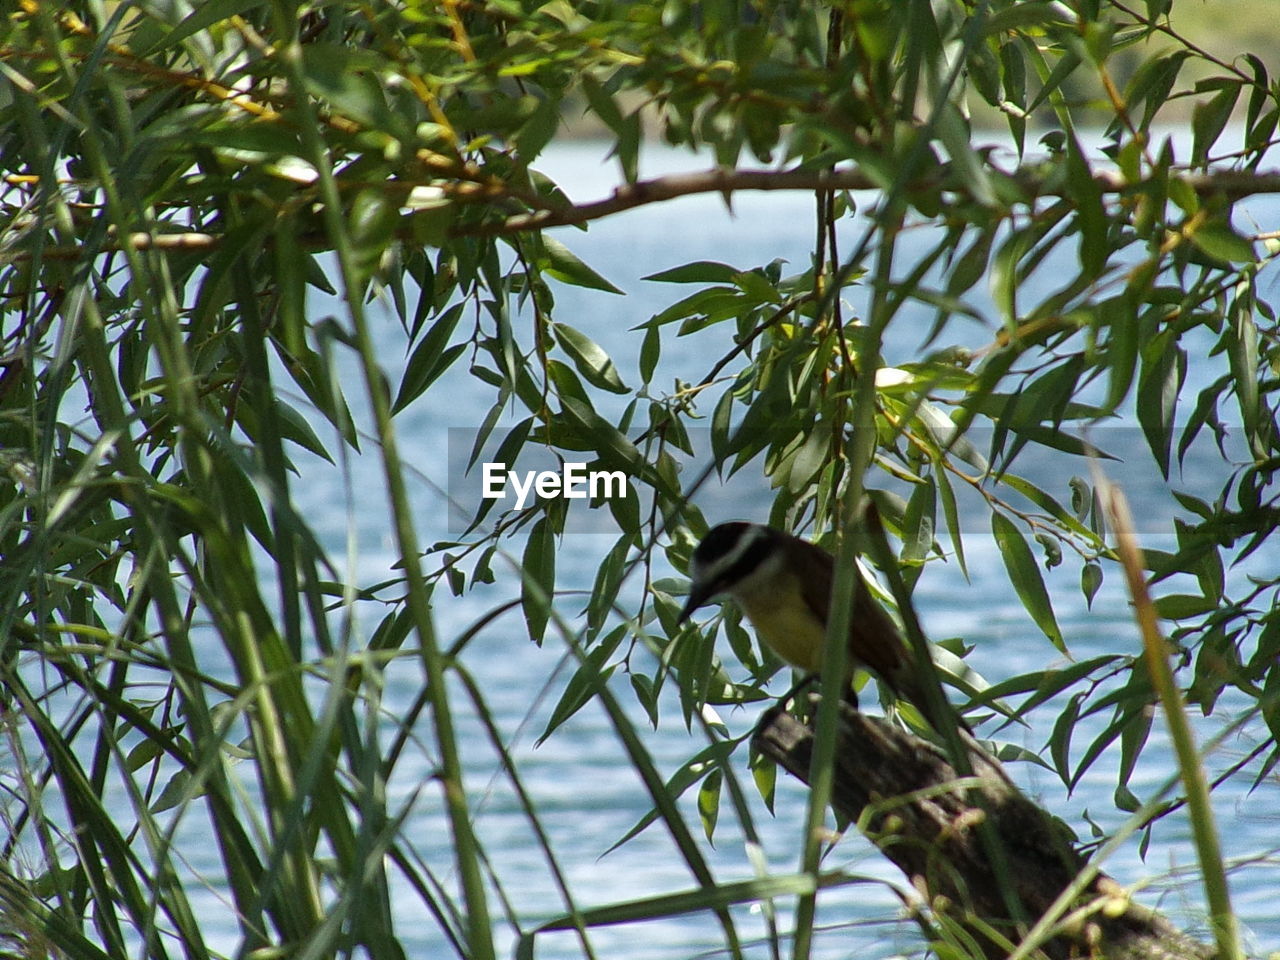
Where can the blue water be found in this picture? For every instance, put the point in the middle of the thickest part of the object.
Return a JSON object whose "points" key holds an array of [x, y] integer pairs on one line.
{"points": [[588, 794]]}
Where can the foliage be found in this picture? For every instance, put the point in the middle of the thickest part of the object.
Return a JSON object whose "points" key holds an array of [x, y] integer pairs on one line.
{"points": [[183, 183]]}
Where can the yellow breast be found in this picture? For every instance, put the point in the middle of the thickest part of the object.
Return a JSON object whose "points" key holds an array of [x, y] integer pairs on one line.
{"points": [[784, 621]]}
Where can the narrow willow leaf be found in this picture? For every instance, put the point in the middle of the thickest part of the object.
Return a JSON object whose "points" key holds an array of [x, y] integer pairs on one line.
{"points": [[337, 74], [538, 578], [952, 515], [1025, 576], [764, 773], [425, 367], [756, 287], [954, 134], [1153, 81], [709, 803], [204, 16], [808, 459], [1242, 339], [1060, 738], [580, 689], [700, 271], [715, 303], [1031, 13], [971, 266], [650, 351], [1045, 502], [647, 696], [704, 763], [1158, 386], [590, 359], [1133, 737], [709, 896], [563, 264], [1090, 581], [297, 428], [626, 508], [1183, 606], [1091, 215], [609, 443], [1209, 118], [566, 383], [1004, 278], [538, 130], [1220, 241], [919, 523]]}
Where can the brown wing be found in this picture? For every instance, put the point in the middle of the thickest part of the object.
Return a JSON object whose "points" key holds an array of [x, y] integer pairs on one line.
{"points": [[874, 639]]}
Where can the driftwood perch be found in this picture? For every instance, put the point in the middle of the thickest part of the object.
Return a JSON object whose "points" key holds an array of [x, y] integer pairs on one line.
{"points": [[904, 794]]}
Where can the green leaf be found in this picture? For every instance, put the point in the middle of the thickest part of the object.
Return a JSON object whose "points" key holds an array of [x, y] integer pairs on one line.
{"points": [[538, 130], [758, 289], [717, 303], [1133, 737], [294, 426], [951, 512], [650, 351], [709, 802], [647, 696], [1242, 349], [700, 271], [1159, 382], [919, 523], [592, 362], [1019, 16], [1209, 118], [591, 675], [204, 16], [617, 452], [1090, 581], [704, 763], [538, 578], [1043, 500], [953, 131], [1091, 215], [176, 791], [604, 591], [346, 79], [560, 262], [430, 358], [1025, 576], [1046, 684], [1218, 240], [971, 266], [1060, 739], [1117, 316], [1183, 606]]}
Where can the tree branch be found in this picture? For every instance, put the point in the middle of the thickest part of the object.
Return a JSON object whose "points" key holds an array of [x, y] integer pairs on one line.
{"points": [[1231, 184], [907, 799]]}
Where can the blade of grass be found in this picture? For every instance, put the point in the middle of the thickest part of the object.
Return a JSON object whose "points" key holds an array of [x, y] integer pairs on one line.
{"points": [[479, 928], [1194, 783]]}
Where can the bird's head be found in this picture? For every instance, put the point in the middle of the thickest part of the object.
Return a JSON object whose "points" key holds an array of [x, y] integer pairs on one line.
{"points": [[727, 560]]}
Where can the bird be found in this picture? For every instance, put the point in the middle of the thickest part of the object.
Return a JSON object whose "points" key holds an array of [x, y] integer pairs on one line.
{"points": [[783, 584]]}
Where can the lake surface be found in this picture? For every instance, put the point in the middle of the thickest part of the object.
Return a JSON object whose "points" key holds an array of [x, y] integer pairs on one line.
{"points": [[588, 794]]}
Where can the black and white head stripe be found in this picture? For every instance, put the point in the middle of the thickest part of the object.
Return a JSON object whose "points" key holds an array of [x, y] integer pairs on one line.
{"points": [[728, 553]]}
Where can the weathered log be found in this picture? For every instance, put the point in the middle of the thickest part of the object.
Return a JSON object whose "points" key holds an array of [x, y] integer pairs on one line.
{"points": [[906, 796]]}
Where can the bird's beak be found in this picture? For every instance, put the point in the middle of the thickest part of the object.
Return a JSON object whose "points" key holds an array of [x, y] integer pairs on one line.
{"points": [[698, 595]]}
